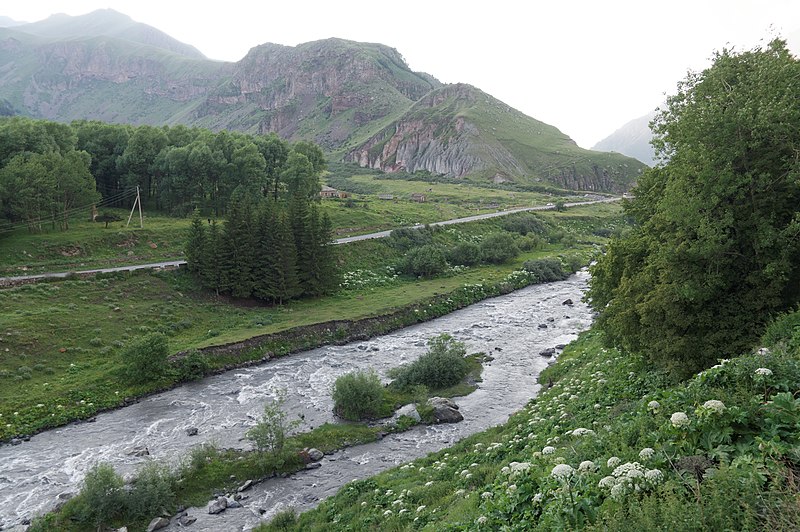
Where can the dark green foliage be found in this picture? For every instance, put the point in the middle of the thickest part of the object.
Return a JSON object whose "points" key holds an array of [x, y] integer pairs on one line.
{"points": [[546, 270], [715, 249], [193, 366], [784, 331], [270, 433], [424, 261], [101, 496], [406, 238], [464, 254], [525, 223], [358, 395], [145, 358], [284, 520], [195, 244], [443, 365], [153, 492], [498, 248]]}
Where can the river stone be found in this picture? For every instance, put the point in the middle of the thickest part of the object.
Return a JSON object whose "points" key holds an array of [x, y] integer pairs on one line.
{"points": [[315, 454], [15, 441], [568, 302], [245, 486], [313, 465], [218, 505], [543, 326], [157, 524], [548, 352], [140, 451], [408, 410], [187, 520], [445, 410], [191, 431], [233, 503]]}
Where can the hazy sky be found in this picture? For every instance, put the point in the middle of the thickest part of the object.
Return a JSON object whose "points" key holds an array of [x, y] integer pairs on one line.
{"points": [[584, 66]]}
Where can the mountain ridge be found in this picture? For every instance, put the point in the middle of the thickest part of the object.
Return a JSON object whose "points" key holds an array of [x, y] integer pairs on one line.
{"points": [[346, 96]]}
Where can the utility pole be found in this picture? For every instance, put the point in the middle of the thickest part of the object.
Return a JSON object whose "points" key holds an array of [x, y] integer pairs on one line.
{"points": [[137, 201]]}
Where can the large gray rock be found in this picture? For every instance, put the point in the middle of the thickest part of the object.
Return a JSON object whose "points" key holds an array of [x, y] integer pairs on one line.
{"points": [[218, 505], [187, 520], [157, 524], [315, 454], [445, 410], [409, 411]]}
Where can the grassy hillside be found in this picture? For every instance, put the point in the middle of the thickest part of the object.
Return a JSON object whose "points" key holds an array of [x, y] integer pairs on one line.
{"points": [[609, 444]]}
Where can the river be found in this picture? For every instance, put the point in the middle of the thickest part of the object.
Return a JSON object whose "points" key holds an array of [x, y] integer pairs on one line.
{"points": [[223, 407]]}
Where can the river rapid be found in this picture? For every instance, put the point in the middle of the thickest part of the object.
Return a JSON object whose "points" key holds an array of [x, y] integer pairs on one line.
{"points": [[223, 407]]}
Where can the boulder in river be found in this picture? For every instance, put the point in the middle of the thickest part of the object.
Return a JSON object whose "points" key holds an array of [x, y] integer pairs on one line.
{"points": [[141, 450], [187, 520], [315, 454], [409, 410], [191, 431], [245, 486], [218, 505], [445, 410], [568, 302], [157, 524], [548, 352]]}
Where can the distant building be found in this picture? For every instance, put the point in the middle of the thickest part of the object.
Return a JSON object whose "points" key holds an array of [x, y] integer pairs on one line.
{"points": [[330, 192], [419, 198]]}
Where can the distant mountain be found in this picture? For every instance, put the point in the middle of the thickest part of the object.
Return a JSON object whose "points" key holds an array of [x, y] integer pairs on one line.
{"points": [[359, 101], [7, 22], [632, 139], [459, 130], [107, 23]]}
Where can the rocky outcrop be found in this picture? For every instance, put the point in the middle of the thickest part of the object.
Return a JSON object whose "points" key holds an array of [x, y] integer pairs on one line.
{"points": [[445, 410]]}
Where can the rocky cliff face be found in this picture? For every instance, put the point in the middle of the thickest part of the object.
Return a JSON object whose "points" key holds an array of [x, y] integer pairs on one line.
{"points": [[456, 131], [336, 85]]}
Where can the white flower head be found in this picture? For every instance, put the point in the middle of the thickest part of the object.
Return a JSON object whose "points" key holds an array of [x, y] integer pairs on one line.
{"points": [[618, 491], [653, 406], [653, 475], [548, 450], [587, 466], [580, 431], [613, 461], [538, 498], [562, 471], [607, 482], [487, 495], [679, 420], [764, 372], [718, 407], [646, 453], [481, 520]]}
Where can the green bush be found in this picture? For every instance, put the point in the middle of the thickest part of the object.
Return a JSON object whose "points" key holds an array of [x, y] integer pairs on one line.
{"points": [[784, 330], [442, 366], [153, 492], [358, 395], [546, 270], [530, 242], [424, 261], [524, 224], [406, 238], [464, 254], [270, 433], [284, 520], [101, 497], [193, 366], [145, 358], [498, 248]]}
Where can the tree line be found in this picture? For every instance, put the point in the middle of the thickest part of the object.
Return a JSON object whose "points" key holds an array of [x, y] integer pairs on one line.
{"points": [[48, 168]]}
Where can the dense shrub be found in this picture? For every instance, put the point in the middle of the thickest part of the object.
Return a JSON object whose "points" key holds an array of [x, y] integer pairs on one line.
{"points": [[193, 366], [784, 330], [406, 238], [424, 261], [102, 497], [546, 270], [524, 224], [153, 492], [443, 365], [145, 358], [498, 248], [358, 395], [530, 242], [464, 254]]}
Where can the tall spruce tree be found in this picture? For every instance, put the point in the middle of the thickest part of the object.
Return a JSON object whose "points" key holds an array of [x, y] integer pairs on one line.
{"points": [[195, 245], [286, 282]]}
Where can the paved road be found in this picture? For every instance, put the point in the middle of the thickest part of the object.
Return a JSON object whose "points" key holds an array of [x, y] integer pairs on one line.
{"points": [[380, 234]]}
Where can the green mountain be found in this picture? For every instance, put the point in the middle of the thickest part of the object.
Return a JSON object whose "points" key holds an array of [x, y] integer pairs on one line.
{"points": [[459, 130], [359, 101]]}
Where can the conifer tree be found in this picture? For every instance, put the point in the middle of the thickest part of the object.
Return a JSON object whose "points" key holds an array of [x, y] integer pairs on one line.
{"points": [[286, 282], [195, 244], [266, 263], [210, 261]]}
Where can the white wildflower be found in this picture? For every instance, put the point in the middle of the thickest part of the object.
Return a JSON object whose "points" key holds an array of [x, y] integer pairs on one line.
{"points": [[429, 484], [387, 513], [538, 497], [617, 491], [548, 450], [519, 467], [613, 461], [562, 471], [646, 453], [481, 520], [653, 405], [765, 372], [487, 495], [580, 431], [606, 482], [679, 420], [587, 466], [653, 475], [459, 493], [420, 508]]}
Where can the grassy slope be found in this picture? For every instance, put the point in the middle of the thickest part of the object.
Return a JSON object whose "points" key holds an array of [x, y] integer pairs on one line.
{"points": [[728, 470], [61, 342]]}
